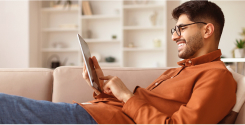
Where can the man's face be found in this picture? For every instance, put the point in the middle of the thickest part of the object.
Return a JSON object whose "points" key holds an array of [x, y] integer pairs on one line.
{"points": [[190, 40]]}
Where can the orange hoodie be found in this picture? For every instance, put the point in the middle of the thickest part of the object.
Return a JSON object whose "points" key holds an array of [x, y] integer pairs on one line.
{"points": [[201, 91]]}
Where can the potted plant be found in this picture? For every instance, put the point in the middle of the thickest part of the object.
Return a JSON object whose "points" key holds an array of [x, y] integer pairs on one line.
{"points": [[239, 51]]}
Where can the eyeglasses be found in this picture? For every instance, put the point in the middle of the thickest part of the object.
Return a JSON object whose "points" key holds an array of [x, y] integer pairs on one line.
{"points": [[179, 28]]}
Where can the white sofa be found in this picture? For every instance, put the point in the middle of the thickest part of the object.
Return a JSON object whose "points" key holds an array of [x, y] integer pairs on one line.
{"points": [[65, 84]]}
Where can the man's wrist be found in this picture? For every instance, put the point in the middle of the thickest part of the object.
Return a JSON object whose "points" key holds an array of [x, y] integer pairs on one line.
{"points": [[127, 97]]}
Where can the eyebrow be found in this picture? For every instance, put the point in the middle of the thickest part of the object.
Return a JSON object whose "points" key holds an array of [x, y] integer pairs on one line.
{"points": [[181, 24]]}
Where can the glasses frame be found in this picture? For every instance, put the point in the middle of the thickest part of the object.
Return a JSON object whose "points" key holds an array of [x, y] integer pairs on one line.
{"points": [[179, 34]]}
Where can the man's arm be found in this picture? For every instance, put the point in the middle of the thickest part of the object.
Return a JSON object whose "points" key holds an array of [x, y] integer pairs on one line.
{"points": [[212, 99]]}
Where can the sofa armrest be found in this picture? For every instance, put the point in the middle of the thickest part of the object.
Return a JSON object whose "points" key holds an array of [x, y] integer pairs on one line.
{"points": [[34, 83]]}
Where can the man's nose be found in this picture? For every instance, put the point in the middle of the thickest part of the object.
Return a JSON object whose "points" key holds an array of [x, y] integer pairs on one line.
{"points": [[175, 37]]}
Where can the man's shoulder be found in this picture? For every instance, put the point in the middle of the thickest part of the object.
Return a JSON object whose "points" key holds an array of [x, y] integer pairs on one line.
{"points": [[219, 65], [215, 65], [215, 68]]}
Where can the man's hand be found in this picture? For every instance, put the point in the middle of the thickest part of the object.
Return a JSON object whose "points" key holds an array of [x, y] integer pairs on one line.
{"points": [[98, 72], [115, 86]]}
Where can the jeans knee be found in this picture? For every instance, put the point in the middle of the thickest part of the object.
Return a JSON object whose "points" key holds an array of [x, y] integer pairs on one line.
{"points": [[3, 97]]}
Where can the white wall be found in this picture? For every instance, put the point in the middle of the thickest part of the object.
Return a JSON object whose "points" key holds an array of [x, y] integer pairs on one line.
{"points": [[14, 37], [234, 22], [18, 34]]}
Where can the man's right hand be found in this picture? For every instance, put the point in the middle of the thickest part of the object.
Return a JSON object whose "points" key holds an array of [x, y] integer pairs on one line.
{"points": [[98, 72]]}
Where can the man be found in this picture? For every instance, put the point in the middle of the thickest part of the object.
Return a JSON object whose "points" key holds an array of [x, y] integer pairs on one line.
{"points": [[202, 90]]}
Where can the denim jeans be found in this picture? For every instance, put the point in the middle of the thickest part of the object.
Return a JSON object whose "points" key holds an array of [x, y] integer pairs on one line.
{"points": [[21, 110]]}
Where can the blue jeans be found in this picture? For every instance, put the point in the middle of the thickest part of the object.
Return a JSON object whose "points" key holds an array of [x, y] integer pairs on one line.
{"points": [[21, 110]]}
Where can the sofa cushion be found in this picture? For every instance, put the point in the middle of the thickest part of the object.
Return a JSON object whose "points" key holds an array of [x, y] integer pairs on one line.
{"points": [[34, 83], [69, 84]]}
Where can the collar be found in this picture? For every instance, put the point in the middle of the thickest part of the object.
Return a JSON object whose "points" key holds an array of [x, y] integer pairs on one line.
{"points": [[212, 56]]}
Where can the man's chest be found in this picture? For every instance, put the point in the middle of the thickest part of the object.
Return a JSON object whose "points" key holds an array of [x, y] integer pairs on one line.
{"points": [[177, 85], [177, 88]]}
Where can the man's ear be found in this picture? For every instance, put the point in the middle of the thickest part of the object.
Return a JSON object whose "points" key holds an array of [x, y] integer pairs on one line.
{"points": [[209, 30]]}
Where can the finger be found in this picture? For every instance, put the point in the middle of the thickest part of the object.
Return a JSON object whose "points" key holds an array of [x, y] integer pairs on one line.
{"points": [[85, 74], [108, 92], [96, 91], [95, 62], [106, 88], [84, 68], [106, 77]]}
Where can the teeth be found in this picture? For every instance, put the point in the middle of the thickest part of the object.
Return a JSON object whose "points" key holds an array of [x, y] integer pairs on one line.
{"points": [[181, 44]]}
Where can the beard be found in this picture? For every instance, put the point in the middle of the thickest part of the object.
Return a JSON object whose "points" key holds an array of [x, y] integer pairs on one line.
{"points": [[192, 46]]}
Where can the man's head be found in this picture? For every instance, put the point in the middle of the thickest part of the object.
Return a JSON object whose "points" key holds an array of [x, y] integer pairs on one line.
{"points": [[198, 29]]}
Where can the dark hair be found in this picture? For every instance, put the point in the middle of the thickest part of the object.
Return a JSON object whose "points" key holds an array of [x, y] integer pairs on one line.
{"points": [[201, 11]]}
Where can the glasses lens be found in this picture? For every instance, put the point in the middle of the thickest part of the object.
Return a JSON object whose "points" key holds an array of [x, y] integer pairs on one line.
{"points": [[177, 30], [172, 31]]}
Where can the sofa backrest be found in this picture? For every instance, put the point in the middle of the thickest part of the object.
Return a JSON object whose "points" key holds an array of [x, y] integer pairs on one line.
{"points": [[69, 84], [34, 83]]}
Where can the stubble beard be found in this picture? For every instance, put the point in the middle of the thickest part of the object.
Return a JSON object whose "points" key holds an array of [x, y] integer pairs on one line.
{"points": [[192, 46]]}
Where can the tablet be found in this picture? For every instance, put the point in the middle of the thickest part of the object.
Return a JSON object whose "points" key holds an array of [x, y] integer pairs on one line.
{"points": [[94, 81]]}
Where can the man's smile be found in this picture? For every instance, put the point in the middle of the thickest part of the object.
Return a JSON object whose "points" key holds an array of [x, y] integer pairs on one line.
{"points": [[181, 44]]}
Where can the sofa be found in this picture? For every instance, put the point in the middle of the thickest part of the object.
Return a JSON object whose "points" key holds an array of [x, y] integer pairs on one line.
{"points": [[65, 83]]}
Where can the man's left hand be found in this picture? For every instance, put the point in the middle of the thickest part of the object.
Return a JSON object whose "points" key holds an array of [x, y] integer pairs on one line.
{"points": [[115, 86]]}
